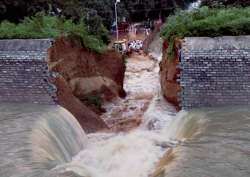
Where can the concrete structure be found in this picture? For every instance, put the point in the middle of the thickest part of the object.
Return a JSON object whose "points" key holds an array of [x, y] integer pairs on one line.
{"points": [[215, 72], [24, 75]]}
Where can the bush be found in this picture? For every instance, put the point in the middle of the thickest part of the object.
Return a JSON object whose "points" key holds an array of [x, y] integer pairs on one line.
{"points": [[206, 22], [43, 26], [94, 100]]}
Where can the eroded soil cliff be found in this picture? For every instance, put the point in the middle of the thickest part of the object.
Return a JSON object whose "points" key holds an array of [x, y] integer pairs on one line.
{"points": [[85, 78], [169, 74]]}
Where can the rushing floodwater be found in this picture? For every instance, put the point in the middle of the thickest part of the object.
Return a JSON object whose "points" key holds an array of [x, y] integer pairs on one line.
{"points": [[222, 149], [134, 153], [41, 141], [204, 143]]}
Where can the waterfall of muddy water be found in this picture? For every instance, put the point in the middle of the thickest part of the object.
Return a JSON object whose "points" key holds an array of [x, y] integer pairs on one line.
{"points": [[167, 144], [202, 143], [134, 153], [35, 139]]}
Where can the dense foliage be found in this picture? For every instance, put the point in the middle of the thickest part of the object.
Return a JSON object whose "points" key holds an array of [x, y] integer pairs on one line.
{"points": [[14, 10], [42, 26], [143, 9], [98, 15], [221, 3], [206, 22]]}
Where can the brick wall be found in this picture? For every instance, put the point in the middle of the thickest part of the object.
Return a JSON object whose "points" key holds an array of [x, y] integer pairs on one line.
{"points": [[24, 75], [215, 72]]}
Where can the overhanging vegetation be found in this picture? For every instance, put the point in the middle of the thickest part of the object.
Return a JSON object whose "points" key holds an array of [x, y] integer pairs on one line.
{"points": [[206, 22], [44, 26]]}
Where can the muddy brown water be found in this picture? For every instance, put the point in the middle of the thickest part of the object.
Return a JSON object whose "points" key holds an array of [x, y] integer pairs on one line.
{"points": [[221, 149]]}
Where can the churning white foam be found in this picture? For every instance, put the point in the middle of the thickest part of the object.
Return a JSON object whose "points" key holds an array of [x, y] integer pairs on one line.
{"points": [[132, 154], [135, 153]]}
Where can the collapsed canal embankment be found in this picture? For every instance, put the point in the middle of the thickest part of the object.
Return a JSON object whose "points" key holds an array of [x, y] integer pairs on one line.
{"points": [[67, 74], [85, 79]]}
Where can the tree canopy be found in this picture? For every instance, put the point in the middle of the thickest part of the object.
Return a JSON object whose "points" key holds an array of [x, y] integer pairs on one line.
{"points": [[98, 15], [218, 3], [134, 10]]}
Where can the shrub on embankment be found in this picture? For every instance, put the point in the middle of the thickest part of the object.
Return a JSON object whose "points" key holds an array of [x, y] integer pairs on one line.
{"points": [[205, 22], [44, 26]]}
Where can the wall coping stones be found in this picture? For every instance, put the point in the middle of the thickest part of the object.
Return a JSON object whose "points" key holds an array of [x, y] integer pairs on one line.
{"points": [[24, 49], [225, 42], [25, 44]]}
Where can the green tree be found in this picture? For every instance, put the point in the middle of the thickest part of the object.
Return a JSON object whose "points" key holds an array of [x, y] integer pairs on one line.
{"points": [[219, 3]]}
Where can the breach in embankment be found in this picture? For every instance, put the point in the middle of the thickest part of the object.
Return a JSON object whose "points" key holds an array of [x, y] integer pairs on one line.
{"points": [[68, 74], [89, 76]]}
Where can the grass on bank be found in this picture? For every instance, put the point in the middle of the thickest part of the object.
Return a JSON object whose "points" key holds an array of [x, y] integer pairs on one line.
{"points": [[43, 26], [206, 22]]}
